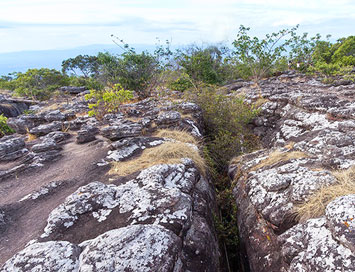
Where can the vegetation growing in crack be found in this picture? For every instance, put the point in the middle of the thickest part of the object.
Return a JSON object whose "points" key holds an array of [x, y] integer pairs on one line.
{"points": [[4, 127], [107, 100], [227, 135]]}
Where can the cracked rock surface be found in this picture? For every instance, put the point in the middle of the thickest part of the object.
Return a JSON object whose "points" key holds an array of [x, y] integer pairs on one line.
{"points": [[309, 128], [157, 219]]}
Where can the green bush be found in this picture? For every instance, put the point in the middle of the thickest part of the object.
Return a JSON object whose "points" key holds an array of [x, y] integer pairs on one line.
{"points": [[257, 57], [89, 83], [38, 83], [4, 127], [227, 134], [225, 121], [107, 101], [182, 83], [331, 60], [209, 65]]}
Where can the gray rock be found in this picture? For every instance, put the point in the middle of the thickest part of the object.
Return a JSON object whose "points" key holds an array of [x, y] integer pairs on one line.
{"points": [[133, 248], [47, 128], [48, 256], [12, 148], [55, 115], [168, 118], [129, 147], [57, 136], [46, 145], [24, 123], [121, 131], [72, 89], [87, 134]]}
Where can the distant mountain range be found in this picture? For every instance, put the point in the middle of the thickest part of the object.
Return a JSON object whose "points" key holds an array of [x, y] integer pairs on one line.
{"points": [[23, 60]]}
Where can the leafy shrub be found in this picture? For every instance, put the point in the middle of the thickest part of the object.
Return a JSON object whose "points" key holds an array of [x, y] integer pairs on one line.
{"points": [[107, 101], [345, 52], [138, 72], [38, 83], [259, 56], [225, 120], [331, 60], [89, 83], [4, 127], [208, 65], [182, 83]]}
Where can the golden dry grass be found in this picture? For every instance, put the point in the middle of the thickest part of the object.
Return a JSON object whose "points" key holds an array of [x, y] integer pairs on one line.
{"points": [[260, 101], [315, 206], [277, 156], [178, 135], [167, 153], [30, 137]]}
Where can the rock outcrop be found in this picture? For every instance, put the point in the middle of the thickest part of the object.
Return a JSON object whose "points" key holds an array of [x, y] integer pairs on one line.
{"points": [[11, 107], [159, 218], [308, 130]]}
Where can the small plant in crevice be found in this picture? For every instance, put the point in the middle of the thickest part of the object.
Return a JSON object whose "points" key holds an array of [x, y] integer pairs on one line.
{"points": [[4, 127], [107, 101]]}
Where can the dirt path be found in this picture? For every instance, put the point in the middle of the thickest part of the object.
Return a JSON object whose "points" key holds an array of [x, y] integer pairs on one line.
{"points": [[28, 218]]}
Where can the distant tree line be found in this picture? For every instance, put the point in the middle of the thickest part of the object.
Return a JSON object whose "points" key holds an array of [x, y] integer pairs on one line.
{"points": [[248, 58]]}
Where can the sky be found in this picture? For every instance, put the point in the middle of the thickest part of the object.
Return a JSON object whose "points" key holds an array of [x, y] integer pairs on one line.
{"points": [[60, 24]]}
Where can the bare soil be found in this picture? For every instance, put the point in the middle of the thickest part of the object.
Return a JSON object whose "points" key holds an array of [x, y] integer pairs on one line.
{"points": [[25, 220]]}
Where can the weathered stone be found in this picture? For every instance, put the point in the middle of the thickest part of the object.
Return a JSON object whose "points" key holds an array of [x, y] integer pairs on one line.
{"points": [[57, 136], [72, 89], [121, 131], [87, 134], [24, 123], [46, 145], [133, 248], [55, 115], [340, 215], [48, 256], [47, 128], [126, 148], [12, 148], [168, 118], [315, 123]]}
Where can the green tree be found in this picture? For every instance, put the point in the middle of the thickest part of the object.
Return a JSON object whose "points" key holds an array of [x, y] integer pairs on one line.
{"points": [[345, 52], [86, 65], [259, 56], [208, 65]]}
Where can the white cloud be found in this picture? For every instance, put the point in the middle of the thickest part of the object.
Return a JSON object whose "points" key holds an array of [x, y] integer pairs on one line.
{"points": [[45, 24]]}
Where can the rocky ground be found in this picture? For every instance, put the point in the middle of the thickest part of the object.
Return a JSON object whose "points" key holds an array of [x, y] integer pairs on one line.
{"points": [[60, 209], [308, 131]]}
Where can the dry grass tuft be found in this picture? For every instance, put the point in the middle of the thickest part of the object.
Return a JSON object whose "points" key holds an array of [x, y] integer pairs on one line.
{"points": [[277, 156], [315, 206], [178, 135], [167, 153], [30, 137], [260, 101]]}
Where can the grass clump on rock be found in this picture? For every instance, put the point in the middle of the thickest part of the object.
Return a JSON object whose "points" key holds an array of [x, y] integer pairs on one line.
{"points": [[317, 203], [178, 135], [166, 153]]}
